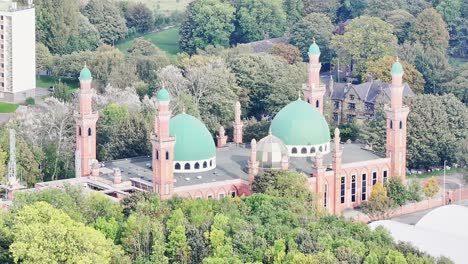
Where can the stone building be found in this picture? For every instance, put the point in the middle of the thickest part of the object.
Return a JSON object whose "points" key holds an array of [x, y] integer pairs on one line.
{"points": [[185, 161]]}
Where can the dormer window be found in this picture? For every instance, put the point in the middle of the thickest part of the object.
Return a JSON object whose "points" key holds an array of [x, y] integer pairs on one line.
{"points": [[351, 97]]}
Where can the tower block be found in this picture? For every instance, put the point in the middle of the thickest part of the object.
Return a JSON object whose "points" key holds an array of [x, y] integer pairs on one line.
{"points": [[163, 148], [396, 114], [85, 126], [314, 91], [238, 126]]}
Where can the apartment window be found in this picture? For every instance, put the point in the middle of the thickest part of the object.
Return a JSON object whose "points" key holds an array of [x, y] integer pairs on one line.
{"points": [[385, 176], [364, 187], [2, 74], [1, 46], [337, 105], [353, 188], [2, 65], [342, 190], [369, 107], [350, 118], [325, 196], [3, 84], [1, 17], [352, 106], [374, 178], [351, 97], [1, 36], [1, 27]]}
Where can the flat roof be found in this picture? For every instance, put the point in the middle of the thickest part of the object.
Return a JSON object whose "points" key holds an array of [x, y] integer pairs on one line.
{"points": [[231, 164]]}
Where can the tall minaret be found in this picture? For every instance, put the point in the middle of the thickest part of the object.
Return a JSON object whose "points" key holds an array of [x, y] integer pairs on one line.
{"points": [[336, 166], [314, 91], [396, 124], [85, 126], [238, 126], [163, 148]]}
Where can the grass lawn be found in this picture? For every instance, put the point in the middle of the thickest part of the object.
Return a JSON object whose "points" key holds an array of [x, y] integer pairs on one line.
{"points": [[167, 40], [436, 173], [166, 6], [47, 81], [7, 107], [457, 61]]}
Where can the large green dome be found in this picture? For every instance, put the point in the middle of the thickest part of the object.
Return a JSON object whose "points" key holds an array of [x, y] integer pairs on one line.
{"points": [[298, 123], [193, 140]]}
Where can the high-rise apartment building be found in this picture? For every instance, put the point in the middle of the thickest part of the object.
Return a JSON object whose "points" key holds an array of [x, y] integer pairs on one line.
{"points": [[17, 51]]}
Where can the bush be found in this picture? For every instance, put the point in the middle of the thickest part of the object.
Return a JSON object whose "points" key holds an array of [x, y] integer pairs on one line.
{"points": [[30, 101], [396, 191]]}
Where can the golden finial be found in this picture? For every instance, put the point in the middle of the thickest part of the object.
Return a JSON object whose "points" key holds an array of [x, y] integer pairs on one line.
{"points": [[397, 59], [313, 39]]}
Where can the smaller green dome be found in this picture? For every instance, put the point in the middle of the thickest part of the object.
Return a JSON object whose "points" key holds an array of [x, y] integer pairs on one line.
{"points": [[85, 74], [397, 68], [163, 95], [314, 49]]}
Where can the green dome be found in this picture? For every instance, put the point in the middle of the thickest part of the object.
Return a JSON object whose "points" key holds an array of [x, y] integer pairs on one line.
{"points": [[397, 68], [163, 95], [299, 123], [193, 140], [314, 49], [85, 75]]}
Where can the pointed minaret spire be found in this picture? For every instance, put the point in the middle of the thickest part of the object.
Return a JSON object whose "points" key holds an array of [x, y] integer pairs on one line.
{"points": [[314, 90], [253, 163], [221, 137], [238, 126]]}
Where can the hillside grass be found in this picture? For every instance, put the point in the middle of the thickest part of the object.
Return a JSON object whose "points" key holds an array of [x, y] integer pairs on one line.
{"points": [[167, 40], [48, 81], [8, 107]]}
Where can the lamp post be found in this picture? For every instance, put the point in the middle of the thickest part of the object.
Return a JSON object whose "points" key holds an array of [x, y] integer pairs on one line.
{"points": [[445, 201]]}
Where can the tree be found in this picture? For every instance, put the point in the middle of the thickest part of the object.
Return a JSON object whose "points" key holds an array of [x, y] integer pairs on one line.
{"points": [[366, 38], [255, 129], [56, 23], [104, 60], [139, 17], [379, 8], [207, 22], [380, 69], [43, 58], [430, 31], [43, 234], [62, 92], [87, 37], [288, 52], [431, 187], [328, 8], [458, 83], [107, 19], [289, 184], [396, 190], [450, 11], [294, 10], [413, 191], [394, 257], [374, 131], [402, 22], [3, 165], [379, 205], [314, 25], [258, 20]]}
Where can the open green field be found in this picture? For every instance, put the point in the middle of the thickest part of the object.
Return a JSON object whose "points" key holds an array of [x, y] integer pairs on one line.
{"points": [[47, 81], [452, 171], [167, 40], [457, 61], [166, 6], [7, 107]]}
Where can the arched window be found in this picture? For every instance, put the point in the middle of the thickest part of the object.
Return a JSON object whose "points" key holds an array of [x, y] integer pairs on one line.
{"points": [[308, 101], [312, 150], [157, 154], [325, 148], [320, 148], [401, 124], [205, 164], [177, 166], [167, 155], [294, 150], [317, 104], [89, 131], [391, 124], [79, 131], [211, 163], [197, 166], [187, 166], [303, 151]]}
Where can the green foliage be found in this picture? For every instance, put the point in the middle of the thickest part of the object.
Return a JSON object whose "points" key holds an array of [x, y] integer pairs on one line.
{"points": [[314, 25], [107, 18], [349, 131], [259, 19], [328, 8], [294, 10], [372, 258], [255, 129], [30, 101], [139, 17], [401, 21], [379, 205], [43, 58], [366, 38], [374, 131], [396, 190], [413, 191], [40, 231], [207, 22], [394, 257], [430, 30], [283, 184], [431, 187], [288, 52], [62, 92]]}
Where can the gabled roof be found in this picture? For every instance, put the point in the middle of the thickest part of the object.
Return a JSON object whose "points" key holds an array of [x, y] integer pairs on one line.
{"points": [[368, 91]]}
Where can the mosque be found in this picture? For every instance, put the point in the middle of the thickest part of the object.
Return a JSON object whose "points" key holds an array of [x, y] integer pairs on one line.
{"points": [[186, 162]]}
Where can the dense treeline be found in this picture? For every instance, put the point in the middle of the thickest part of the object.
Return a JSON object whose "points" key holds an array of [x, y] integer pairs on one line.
{"points": [[280, 225]]}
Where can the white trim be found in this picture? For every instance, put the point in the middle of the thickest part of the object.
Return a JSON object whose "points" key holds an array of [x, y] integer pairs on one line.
{"points": [[192, 165], [325, 149]]}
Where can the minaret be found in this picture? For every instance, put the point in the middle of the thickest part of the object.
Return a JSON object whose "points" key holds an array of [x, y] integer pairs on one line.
{"points": [[85, 126], [163, 148], [336, 166], [314, 91], [238, 126], [319, 173], [253, 163], [396, 124], [221, 137]]}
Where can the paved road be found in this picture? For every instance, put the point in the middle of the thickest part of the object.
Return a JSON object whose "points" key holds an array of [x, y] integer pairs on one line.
{"points": [[413, 218]]}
